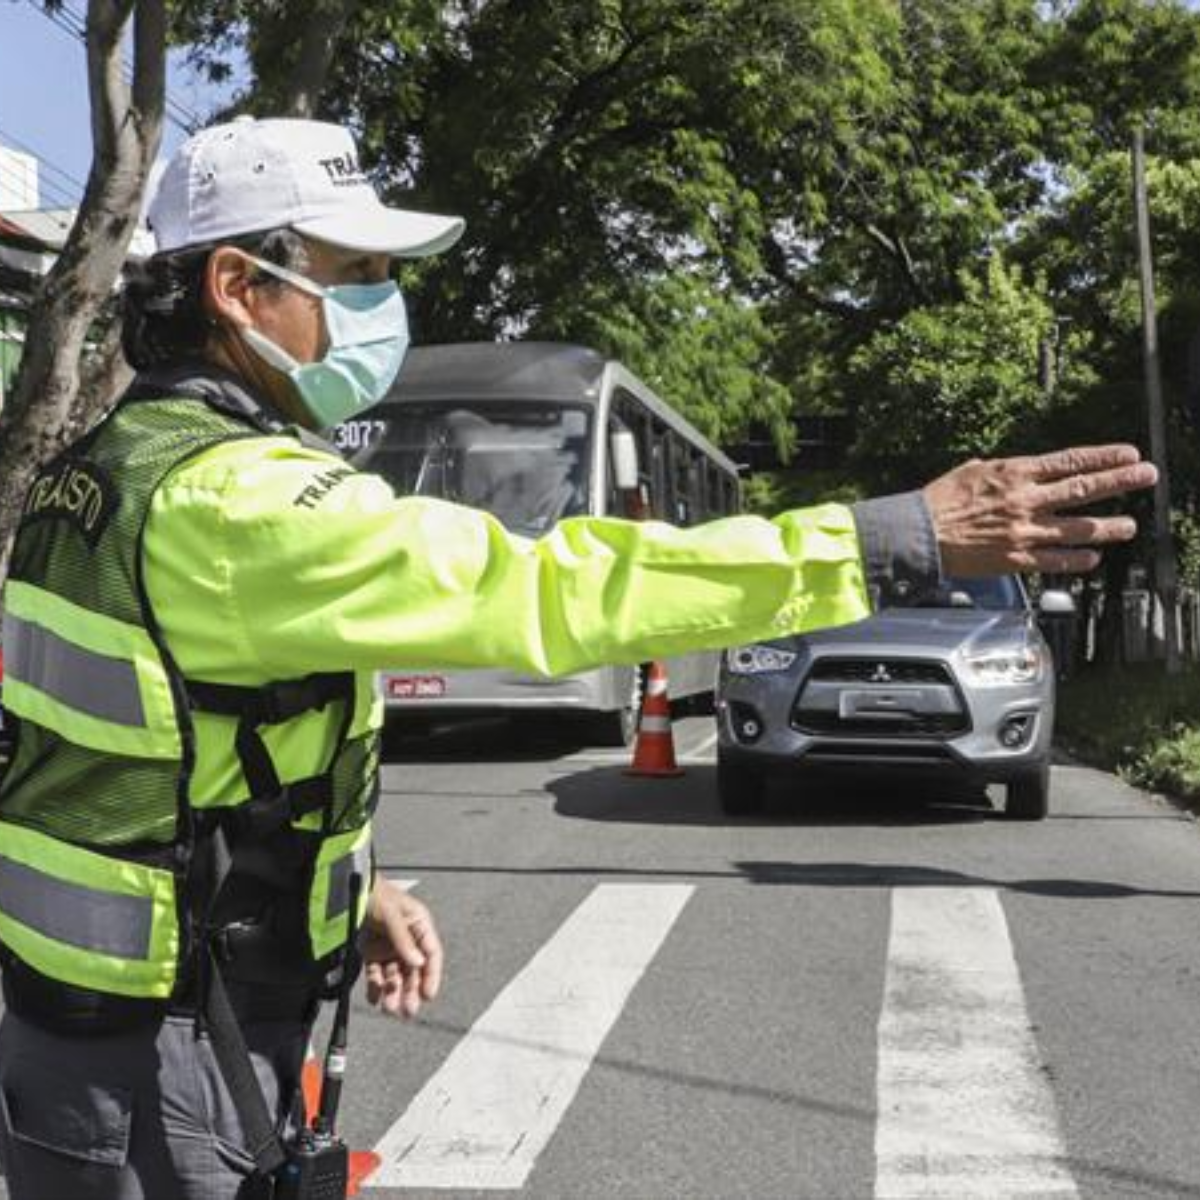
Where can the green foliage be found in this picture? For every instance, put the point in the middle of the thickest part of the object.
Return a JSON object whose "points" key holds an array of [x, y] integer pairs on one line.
{"points": [[953, 381], [1139, 721], [700, 345], [896, 210], [770, 492], [1171, 763], [1185, 526]]}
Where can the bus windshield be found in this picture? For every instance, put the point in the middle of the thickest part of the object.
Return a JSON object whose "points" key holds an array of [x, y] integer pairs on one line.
{"points": [[526, 462]]}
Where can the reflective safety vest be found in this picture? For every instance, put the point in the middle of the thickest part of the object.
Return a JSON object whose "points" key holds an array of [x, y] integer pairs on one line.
{"points": [[110, 867]]}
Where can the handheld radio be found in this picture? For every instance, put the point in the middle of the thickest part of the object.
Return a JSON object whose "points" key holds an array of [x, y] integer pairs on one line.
{"points": [[318, 1161]]}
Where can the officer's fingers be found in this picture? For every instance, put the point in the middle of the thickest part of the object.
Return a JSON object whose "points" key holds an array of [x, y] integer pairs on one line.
{"points": [[403, 940], [374, 975], [1074, 491], [431, 947], [392, 1000], [1080, 531], [1054, 560], [410, 995], [1077, 460]]}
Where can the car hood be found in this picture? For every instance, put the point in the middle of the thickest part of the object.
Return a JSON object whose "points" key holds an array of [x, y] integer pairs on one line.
{"points": [[918, 630]]}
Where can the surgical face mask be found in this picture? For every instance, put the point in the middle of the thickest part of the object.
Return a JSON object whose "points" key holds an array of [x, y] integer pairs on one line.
{"points": [[367, 328]]}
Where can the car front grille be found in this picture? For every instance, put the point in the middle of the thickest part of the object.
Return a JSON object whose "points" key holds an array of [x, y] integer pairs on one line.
{"points": [[938, 710], [880, 671], [912, 726]]}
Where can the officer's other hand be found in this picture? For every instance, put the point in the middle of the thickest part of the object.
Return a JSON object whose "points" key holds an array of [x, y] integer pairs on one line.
{"points": [[1000, 515], [402, 953]]}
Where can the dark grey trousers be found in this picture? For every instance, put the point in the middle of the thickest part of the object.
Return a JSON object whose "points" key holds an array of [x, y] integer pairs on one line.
{"points": [[142, 1115]]}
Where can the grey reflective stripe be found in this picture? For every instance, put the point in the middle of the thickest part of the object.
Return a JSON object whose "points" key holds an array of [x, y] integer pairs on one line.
{"points": [[96, 684], [81, 916], [338, 897]]}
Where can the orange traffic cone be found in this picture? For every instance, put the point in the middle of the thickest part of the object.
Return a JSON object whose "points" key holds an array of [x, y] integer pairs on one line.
{"points": [[654, 753], [362, 1162]]}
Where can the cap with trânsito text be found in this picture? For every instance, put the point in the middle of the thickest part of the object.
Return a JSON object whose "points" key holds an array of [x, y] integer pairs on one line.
{"points": [[250, 176]]}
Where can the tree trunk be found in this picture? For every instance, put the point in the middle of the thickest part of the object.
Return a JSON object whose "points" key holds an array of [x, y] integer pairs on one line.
{"points": [[48, 404], [322, 24]]}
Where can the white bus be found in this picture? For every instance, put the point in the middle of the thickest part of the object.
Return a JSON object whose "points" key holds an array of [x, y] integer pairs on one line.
{"points": [[534, 432]]}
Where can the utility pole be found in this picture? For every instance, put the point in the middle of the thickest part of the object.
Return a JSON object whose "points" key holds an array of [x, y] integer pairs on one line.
{"points": [[1165, 581]]}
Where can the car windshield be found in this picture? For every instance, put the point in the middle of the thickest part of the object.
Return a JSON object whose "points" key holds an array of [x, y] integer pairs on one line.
{"points": [[995, 594], [526, 462]]}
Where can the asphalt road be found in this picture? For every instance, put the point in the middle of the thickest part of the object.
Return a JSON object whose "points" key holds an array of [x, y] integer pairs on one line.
{"points": [[872, 993]]}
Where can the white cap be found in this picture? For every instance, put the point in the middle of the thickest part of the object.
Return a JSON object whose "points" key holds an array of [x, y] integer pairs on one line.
{"points": [[250, 176]]}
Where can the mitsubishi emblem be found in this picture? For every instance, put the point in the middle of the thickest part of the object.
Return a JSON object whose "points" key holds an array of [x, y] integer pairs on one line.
{"points": [[881, 674]]}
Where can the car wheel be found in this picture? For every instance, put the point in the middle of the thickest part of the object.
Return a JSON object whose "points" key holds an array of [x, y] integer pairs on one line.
{"points": [[1028, 798], [741, 789]]}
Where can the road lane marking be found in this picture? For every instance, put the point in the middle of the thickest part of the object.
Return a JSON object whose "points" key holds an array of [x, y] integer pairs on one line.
{"points": [[483, 1119], [964, 1109]]}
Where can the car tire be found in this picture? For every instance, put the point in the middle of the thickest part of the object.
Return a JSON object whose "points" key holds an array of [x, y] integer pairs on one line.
{"points": [[1028, 797], [741, 789]]}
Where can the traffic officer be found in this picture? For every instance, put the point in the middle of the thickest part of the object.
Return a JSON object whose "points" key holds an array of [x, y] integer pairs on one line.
{"points": [[198, 595]]}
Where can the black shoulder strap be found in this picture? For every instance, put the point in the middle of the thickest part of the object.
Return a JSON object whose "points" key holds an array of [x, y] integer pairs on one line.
{"points": [[217, 1018], [218, 388], [225, 392], [272, 802]]}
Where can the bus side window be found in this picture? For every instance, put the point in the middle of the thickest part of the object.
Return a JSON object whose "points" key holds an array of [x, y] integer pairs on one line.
{"points": [[660, 479], [714, 504], [732, 495], [687, 500], [695, 477], [677, 480], [627, 413]]}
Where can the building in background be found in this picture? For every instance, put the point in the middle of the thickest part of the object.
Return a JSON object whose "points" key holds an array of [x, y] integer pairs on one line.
{"points": [[24, 257], [30, 239], [18, 180]]}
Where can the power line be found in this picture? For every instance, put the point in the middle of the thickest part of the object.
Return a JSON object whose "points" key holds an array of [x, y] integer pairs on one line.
{"points": [[72, 23], [52, 191], [69, 182], [177, 112]]}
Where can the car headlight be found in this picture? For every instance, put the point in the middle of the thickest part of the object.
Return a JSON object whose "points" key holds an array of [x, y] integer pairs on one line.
{"points": [[999, 667], [755, 660]]}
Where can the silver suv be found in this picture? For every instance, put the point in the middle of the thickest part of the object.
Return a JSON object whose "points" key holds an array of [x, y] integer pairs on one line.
{"points": [[957, 683]]}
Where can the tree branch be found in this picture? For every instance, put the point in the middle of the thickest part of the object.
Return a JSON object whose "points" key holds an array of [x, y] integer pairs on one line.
{"points": [[46, 403], [323, 24], [897, 248], [776, 261]]}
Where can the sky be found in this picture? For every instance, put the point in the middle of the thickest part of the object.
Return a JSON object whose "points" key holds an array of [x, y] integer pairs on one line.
{"points": [[44, 103]]}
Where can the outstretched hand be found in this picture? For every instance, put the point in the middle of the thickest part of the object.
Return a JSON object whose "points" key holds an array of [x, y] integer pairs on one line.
{"points": [[402, 953], [1000, 515]]}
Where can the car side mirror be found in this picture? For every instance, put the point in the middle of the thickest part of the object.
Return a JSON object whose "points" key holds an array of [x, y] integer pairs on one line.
{"points": [[623, 451], [1055, 603]]}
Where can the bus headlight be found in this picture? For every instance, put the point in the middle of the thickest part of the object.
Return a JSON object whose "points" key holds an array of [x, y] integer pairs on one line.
{"points": [[756, 660]]}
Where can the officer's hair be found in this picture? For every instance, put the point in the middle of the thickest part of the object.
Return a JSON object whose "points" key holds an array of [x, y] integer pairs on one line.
{"points": [[163, 322]]}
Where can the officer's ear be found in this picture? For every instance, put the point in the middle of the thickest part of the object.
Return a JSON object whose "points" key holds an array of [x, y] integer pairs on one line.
{"points": [[229, 287]]}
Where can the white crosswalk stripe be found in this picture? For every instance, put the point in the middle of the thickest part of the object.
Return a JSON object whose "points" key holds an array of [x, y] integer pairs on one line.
{"points": [[485, 1116], [964, 1109]]}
